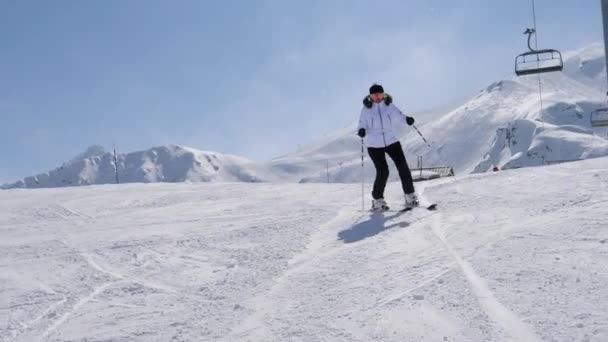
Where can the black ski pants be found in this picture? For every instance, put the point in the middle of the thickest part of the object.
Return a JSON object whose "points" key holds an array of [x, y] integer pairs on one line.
{"points": [[378, 156]]}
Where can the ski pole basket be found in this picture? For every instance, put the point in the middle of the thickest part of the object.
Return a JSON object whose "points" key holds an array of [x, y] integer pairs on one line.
{"points": [[538, 61]]}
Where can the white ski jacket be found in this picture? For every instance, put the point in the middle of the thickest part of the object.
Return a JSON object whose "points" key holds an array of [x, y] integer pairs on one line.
{"points": [[380, 122]]}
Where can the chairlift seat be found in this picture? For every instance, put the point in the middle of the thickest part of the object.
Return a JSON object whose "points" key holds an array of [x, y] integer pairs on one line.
{"points": [[599, 117], [538, 61]]}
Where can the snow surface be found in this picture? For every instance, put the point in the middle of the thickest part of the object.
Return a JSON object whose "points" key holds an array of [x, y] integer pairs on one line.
{"points": [[517, 255]]}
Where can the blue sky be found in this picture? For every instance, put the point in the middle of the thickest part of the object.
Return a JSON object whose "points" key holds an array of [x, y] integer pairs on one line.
{"points": [[252, 78]]}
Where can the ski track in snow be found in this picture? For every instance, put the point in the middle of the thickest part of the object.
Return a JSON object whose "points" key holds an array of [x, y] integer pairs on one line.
{"points": [[513, 325], [308, 258], [81, 302]]}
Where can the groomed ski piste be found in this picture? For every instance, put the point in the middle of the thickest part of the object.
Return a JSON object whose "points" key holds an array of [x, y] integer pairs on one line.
{"points": [[518, 255]]}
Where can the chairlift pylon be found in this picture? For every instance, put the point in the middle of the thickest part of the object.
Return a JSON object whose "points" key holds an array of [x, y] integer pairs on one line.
{"points": [[537, 61], [599, 117]]}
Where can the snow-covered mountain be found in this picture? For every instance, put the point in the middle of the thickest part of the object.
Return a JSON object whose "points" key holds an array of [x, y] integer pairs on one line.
{"points": [[588, 66], [170, 163], [502, 125]]}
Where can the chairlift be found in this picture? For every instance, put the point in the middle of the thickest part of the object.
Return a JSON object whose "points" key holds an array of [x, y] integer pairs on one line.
{"points": [[599, 117], [537, 61]]}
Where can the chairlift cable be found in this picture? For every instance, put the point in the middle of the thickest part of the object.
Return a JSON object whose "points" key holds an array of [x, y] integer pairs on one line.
{"points": [[540, 84]]}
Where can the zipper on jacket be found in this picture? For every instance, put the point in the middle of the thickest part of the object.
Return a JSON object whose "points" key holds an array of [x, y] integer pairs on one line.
{"points": [[382, 124]]}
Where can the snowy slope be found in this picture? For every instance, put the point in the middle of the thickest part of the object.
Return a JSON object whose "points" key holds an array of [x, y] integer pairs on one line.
{"points": [[588, 66], [463, 137], [337, 147], [160, 164], [519, 255], [337, 155], [466, 136], [532, 143]]}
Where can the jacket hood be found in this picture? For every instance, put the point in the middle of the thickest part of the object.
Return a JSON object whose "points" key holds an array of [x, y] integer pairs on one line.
{"points": [[368, 102]]}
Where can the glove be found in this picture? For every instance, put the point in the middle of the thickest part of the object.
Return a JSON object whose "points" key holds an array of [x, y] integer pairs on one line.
{"points": [[361, 133], [410, 120]]}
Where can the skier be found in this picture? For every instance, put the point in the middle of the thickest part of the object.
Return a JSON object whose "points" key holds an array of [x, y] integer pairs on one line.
{"points": [[376, 124]]}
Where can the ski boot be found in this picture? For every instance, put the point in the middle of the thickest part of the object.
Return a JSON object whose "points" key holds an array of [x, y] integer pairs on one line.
{"points": [[379, 205], [411, 201]]}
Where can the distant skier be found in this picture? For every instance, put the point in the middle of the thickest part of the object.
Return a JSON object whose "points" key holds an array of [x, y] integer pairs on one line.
{"points": [[376, 124]]}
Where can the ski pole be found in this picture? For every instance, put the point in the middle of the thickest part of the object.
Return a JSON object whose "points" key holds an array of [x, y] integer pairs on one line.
{"points": [[362, 179], [422, 136]]}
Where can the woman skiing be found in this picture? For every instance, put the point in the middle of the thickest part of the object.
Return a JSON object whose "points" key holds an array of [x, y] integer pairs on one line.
{"points": [[376, 125]]}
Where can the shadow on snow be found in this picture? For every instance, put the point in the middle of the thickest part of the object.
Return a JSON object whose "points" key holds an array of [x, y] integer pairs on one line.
{"points": [[375, 225]]}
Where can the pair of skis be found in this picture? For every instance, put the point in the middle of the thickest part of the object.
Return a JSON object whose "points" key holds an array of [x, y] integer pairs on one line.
{"points": [[430, 207]]}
